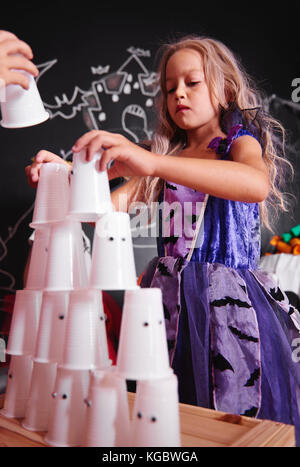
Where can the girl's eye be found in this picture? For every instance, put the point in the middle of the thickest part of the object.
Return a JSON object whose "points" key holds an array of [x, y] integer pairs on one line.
{"points": [[193, 83], [169, 91]]}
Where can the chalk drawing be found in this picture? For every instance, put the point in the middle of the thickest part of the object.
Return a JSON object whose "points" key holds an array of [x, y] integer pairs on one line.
{"points": [[129, 91]]}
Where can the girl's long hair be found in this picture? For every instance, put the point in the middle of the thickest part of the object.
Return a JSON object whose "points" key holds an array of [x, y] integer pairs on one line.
{"points": [[233, 88]]}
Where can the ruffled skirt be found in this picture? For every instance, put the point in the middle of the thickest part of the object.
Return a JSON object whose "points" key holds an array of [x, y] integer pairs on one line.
{"points": [[233, 339]]}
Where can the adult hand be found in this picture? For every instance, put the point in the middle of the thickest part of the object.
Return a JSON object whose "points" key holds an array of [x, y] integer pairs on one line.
{"points": [[15, 55]]}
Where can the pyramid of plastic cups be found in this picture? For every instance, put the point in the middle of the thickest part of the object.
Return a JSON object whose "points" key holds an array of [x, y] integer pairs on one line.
{"points": [[113, 265], [156, 419], [102, 427], [18, 386], [22, 107], [85, 342], [25, 322], [68, 412], [52, 195], [142, 351], [89, 189], [39, 399], [52, 326]]}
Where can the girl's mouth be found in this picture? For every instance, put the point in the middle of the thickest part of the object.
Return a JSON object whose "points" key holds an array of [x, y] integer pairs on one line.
{"points": [[181, 108]]}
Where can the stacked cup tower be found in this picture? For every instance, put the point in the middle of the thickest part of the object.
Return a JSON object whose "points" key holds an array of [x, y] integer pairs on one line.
{"points": [[61, 380]]}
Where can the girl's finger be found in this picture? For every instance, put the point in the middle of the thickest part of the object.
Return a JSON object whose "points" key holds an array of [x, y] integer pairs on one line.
{"points": [[19, 62], [108, 156], [6, 35], [84, 140], [95, 138], [96, 145], [35, 172], [46, 156], [17, 47], [12, 77]]}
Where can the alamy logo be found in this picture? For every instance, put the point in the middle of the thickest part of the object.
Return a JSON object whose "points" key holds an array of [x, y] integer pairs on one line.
{"points": [[2, 350], [296, 92]]}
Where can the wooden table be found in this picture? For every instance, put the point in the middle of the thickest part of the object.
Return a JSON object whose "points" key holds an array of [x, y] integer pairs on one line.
{"points": [[199, 428]]}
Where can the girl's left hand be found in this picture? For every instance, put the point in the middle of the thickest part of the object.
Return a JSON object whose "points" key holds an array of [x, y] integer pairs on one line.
{"points": [[129, 159]]}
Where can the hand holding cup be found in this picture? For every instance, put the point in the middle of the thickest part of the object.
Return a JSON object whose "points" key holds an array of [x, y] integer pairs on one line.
{"points": [[15, 55], [33, 170]]}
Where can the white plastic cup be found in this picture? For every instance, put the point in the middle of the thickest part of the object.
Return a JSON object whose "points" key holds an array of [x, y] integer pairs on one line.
{"points": [[52, 195], [102, 412], [101, 426], [122, 422], [38, 259], [52, 325], [85, 343], [156, 420], [113, 265], [68, 413], [40, 400], [25, 322], [142, 351], [89, 189], [22, 107], [18, 386], [66, 267]]}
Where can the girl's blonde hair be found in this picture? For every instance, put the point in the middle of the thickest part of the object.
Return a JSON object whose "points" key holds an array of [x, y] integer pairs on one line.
{"points": [[231, 86]]}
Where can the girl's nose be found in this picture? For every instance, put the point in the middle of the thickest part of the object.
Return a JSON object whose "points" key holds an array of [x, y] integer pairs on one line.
{"points": [[179, 93]]}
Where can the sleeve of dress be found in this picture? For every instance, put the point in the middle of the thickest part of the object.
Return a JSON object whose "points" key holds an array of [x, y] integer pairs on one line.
{"points": [[222, 145]]}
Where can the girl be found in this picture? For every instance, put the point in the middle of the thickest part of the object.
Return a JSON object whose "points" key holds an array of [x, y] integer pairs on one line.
{"points": [[230, 330]]}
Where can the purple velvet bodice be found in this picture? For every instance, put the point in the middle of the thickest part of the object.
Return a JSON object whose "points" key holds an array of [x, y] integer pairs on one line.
{"points": [[230, 231]]}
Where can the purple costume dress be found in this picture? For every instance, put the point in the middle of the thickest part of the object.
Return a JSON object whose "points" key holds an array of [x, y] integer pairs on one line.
{"points": [[230, 330]]}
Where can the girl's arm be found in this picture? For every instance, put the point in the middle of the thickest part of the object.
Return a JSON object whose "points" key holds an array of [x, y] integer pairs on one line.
{"points": [[242, 178], [121, 197]]}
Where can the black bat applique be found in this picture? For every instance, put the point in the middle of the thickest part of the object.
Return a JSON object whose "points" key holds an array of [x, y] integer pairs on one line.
{"points": [[277, 294], [166, 313], [230, 301], [171, 344], [242, 335], [170, 239], [291, 310], [220, 363], [192, 219], [171, 214], [164, 271], [250, 412], [171, 187], [253, 377]]}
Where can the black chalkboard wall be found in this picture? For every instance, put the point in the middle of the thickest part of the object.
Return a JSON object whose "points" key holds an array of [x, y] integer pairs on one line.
{"points": [[97, 67]]}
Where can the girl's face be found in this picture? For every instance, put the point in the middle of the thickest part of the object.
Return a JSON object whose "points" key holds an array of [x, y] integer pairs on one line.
{"points": [[188, 97]]}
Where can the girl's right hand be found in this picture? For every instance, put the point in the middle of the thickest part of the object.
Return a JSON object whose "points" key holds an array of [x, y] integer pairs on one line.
{"points": [[33, 171]]}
